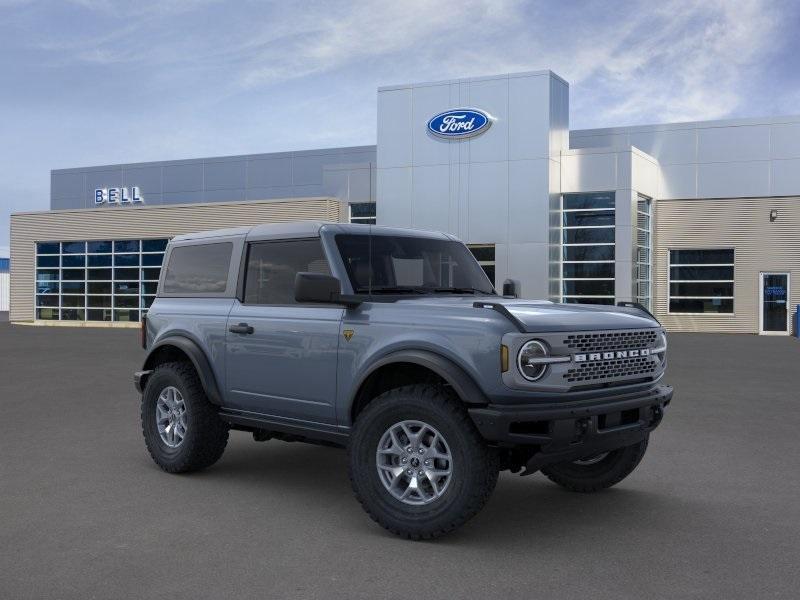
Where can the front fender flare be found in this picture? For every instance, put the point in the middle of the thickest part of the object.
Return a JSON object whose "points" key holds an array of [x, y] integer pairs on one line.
{"points": [[461, 382], [198, 358]]}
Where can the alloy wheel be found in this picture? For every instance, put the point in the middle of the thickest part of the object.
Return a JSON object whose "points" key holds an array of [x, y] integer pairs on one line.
{"points": [[414, 462], [171, 417]]}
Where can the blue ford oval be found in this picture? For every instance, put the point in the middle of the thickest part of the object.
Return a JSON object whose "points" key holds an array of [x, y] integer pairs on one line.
{"points": [[460, 123]]}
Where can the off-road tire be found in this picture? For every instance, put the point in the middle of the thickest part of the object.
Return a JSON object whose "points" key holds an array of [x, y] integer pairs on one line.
{"points": [[595, 477], [475, 466], [207, 434]]}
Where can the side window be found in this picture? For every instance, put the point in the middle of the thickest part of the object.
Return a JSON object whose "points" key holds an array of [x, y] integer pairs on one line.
{"points": [[272, 267], [199, 269]]}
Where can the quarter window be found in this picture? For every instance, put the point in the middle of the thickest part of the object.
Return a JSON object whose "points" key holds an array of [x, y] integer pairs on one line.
{"points": [[198, 269], [701, 281], [272, 267], [587, 237]]}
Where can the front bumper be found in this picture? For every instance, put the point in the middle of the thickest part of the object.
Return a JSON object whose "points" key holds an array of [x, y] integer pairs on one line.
{"points": [[570, 431]]}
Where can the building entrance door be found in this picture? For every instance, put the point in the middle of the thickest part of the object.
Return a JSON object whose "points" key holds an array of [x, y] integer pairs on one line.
{"points": [[774, 304]]}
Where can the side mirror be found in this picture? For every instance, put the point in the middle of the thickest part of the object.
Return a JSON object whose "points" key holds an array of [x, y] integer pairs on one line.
{"points": [[316, 287]]}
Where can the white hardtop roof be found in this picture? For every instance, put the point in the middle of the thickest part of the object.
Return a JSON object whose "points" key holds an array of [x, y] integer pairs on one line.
{"points": [[299, 228]]}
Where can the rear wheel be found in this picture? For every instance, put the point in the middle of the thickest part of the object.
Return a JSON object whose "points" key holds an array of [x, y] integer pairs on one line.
{"points": [[181, 427], [417, 464], [595, 473]]}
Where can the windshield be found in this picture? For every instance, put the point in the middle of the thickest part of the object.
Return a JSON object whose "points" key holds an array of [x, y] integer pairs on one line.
{"points": [[382, 264]]}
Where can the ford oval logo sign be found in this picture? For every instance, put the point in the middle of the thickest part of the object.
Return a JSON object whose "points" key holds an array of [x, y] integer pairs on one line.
{"points": [[459, 123]]}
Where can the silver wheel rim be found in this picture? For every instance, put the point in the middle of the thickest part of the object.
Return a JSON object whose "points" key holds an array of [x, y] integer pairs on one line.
{"points": [[590, 460], [414, 462], [171, 417]]}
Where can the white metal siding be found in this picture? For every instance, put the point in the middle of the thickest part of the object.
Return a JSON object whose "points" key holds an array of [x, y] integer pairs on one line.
{"points": [[142, 222], [741, 224], [3, 291]]}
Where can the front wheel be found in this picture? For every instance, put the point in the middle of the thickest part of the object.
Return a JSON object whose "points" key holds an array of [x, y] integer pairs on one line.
{"points": [[595, 473], [417, 464]]}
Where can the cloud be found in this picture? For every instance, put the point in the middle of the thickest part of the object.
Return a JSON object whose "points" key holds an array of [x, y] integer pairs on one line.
{"points": [[689, 61], [628, 60], [97, 82], [327, 38]]}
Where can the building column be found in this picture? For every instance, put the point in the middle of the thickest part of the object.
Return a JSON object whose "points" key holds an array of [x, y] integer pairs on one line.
{"points": [[625, 242]]}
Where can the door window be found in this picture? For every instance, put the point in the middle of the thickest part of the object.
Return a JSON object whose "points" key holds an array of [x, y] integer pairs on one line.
{"points": [[272, 267]]}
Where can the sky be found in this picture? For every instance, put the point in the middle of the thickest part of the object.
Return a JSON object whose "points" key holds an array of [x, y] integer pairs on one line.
{"points": [[93, 82]]}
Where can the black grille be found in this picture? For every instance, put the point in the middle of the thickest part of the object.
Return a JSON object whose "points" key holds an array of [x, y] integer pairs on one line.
{"points": [[612, 340], [611, 369]]}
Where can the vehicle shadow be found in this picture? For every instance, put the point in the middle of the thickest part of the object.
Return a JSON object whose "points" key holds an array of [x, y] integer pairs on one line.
{"points": [[526, 509]]}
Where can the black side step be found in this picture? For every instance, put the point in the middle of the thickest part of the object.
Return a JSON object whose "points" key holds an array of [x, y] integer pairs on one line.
{"points": [[251, 420]]}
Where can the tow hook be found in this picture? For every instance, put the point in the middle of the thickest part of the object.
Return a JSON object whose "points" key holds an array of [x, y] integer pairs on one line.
{"points": [[658, 414], [581, 427]]}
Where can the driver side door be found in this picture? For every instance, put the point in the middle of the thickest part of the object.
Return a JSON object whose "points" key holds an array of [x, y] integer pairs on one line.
{"points": [[282, 356]]}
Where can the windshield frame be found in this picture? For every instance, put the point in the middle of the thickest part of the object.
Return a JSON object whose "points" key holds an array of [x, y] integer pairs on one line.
{"points": [[481, 285]]}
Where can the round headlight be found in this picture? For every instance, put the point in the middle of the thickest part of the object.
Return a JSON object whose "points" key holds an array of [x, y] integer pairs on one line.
{"points": [[661, 343], [527, 360]]}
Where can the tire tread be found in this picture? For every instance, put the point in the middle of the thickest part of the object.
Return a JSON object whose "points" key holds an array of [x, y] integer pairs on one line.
{"points": [[478, 454], [207, 444]]}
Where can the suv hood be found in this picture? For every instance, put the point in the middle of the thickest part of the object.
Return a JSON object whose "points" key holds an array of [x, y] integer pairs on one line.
{"points": [[541, 315], [545, 316]]}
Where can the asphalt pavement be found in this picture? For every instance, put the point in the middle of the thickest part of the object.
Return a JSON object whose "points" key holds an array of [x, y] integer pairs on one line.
{"points": [[712, 512]]}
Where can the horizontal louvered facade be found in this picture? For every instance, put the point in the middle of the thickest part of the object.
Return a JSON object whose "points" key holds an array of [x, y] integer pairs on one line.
{"points": [[760, 244], [142, 222]]}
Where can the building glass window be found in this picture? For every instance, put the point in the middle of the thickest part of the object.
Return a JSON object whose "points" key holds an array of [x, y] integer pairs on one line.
{"points": [[97, 280], [587, 252], [363, 212], [701, 281], [643, 267], [484, 254]]}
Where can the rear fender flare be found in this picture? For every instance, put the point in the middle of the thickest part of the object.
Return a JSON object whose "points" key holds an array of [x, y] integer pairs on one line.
{"points": [[198, 359]]}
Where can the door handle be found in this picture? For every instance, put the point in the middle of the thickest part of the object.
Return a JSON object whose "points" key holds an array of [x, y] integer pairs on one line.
{"points": [[241, 328]]}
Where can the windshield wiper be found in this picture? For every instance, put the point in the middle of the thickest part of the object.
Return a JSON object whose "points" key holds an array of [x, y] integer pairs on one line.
{"points": [[392, 290], [460, 290]]}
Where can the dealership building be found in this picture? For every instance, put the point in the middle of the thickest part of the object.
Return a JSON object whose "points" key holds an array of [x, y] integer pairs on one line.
{"points": [[699, 222]]}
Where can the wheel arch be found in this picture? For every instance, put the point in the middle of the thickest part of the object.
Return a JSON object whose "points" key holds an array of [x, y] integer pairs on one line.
{"points": [[405, 367], [177, 348]]}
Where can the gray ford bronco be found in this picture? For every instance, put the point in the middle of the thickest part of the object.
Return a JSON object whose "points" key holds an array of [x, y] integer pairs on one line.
{"points": [[393, 344]]}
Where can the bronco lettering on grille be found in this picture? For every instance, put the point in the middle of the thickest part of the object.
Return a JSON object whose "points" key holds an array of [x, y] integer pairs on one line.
{"points": [[593, 356]]}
